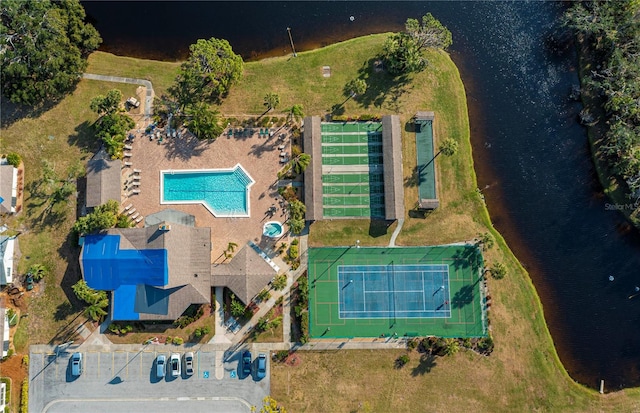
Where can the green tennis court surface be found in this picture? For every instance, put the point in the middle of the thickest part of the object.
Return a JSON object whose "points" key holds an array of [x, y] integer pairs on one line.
{"points": [[403, 291], [426, 165], [352, 168]]}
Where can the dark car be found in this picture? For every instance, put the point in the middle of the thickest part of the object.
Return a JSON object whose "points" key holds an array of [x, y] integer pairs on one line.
{"points": [[188, 363], [261, 372], [76, 364], [246, 363]]}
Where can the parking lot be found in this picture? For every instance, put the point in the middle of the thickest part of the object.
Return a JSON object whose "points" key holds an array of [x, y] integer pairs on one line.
{"points": [[125, 381]]}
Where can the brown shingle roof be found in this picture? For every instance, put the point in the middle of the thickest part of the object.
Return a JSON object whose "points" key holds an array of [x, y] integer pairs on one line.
{"points": [[313, 174], [392, 164], [103, 180], [188, 260], [6, 186], [246, 275]]}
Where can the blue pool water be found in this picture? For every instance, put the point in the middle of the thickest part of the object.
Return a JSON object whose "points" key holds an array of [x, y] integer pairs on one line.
{"points": [[224, 192], [272, 229]]}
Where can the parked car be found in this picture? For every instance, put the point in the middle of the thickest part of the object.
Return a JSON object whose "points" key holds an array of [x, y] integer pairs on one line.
{"points": [[188, 363], [76, 364], [133, 102], [246, 363], [174, 361], [161, 366], [261, 372]]}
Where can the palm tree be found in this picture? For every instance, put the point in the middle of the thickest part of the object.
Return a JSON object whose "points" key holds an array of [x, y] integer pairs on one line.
{"points": [[448, 147], [294, 113], [38, 271], [355, 87], [231, 246], [271, 101], [300, 162], [97, 310]]}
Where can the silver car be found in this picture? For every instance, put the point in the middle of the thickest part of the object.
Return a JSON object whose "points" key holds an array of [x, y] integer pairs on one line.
{"points": [[161, 366], [188, 363]]}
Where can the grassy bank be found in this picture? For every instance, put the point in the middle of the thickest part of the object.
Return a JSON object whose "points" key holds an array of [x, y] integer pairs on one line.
{"points": [[522, 374]]}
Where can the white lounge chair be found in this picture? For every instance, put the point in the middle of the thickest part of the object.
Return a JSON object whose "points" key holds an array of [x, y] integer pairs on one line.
{"points": [[136, 215], [127, 154], [128, 147], [281, 147], [135, 191], [140, 218], [131, 211], [128, 164], [135, 183], [136, 171], [128, 207]]}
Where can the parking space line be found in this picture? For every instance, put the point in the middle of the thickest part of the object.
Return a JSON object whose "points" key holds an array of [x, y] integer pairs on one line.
{"points": [[126, 370], [140, 373], [98, 364]]}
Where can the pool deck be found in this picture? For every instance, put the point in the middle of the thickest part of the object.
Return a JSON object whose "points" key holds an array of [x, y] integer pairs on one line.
{"points": [[259, 156]]}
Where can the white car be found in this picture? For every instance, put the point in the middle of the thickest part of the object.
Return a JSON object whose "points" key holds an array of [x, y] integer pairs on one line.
{"points": [[174, 362], [133, 102]]}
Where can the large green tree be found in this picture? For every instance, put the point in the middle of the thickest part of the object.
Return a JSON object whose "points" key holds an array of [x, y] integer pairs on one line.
{"points": [[112, 126], [44, 48], [209, 72], [403, 52], [204, 122]]}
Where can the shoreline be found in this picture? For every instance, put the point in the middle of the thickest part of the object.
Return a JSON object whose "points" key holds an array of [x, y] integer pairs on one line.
{"points": [[528, 309], [612, 186]]}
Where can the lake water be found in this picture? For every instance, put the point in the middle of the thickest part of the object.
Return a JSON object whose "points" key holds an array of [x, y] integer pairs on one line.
{"points": [[532, 158]]}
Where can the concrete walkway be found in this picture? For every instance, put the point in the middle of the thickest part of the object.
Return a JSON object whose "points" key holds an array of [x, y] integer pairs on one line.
{"points": [[117, 79], [392, 241]]}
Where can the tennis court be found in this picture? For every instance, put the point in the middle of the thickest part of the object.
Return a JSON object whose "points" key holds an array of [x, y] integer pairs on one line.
{"points": [[352, 176], [402, 291]]}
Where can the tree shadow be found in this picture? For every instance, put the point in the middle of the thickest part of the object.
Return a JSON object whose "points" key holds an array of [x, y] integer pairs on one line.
{"points": [[84, 137], [462, 297], [337, 109], [420, 213], [379, 227], [63, 311], [469, 256], [12, 112], [427, 363], [185, 147], [381, 86]]}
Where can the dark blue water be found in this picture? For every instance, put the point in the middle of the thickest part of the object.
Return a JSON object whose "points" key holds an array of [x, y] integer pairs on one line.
{"points": [[532, 157]]}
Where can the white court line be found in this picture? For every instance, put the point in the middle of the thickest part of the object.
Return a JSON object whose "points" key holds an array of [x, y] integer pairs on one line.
{"points": [[396, 291]]}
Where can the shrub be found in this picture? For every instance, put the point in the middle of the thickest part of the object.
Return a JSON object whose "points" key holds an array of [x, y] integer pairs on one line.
{"points": [[14, 159], [202, 331], [295, 264], [293, 251], [262, 324], [25, 360], [38, 271], [339, 118], [401, 361], [280, 355], [304, 327], [466, 343], [498, 270], [12, 317], [237, 308], [276, 322], [178, 341], [264, 295], [412, 344], [24, 396], [279, 282], [168, 340], [184, 321], [114, 328], [485, 344], [295, 241]]}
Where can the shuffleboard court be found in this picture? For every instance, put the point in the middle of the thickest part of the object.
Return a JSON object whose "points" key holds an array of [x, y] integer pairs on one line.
{"points": [[401, 291]]}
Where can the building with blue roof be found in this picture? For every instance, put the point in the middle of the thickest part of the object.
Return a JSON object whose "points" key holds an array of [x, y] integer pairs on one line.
{"points": [[153, 273]]}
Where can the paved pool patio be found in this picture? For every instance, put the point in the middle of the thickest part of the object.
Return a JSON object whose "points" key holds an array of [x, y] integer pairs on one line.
{"points": [[258, 155]]}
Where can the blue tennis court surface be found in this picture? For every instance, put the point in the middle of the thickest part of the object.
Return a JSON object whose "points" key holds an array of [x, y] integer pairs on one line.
{"points": [[394, 291]]}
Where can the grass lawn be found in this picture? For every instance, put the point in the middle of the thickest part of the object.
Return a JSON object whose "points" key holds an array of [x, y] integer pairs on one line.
{"points": [[522, 374]]}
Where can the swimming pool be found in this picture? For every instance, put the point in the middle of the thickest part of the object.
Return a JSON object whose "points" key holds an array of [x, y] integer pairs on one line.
{"points": [[273, 229], [224, 192]]}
